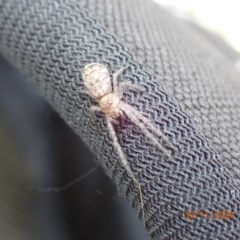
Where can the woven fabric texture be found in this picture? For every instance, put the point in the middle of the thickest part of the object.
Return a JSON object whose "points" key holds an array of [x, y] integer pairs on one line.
{"points": [[191, 94]]}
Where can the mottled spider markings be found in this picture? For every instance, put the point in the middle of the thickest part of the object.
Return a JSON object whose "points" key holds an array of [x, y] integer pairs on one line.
{"points": [[98, 84]]}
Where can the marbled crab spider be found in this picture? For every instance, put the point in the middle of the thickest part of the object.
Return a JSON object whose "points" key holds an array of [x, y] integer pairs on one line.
{"points": [[98, 84]]}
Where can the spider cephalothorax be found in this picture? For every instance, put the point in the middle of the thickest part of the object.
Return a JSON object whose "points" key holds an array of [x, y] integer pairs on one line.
{"points": [[111, 105]]}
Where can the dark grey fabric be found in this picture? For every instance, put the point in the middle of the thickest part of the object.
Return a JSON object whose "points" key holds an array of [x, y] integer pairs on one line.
{"points": [[26, 120], [191, 95]]}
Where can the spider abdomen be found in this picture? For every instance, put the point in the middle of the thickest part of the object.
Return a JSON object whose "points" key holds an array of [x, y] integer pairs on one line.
{"points": [[97, 79]]}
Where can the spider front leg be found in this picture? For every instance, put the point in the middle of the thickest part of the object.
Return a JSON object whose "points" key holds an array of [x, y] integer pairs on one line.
{"points": [[124, 161], [122, 85], [136, 118], [115, 76], [151, 127], [118, 88]]}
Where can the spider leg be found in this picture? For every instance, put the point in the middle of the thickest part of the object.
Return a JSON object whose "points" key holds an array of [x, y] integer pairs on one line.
{"points": [[92, 111], [122, 85], [115, 75], [136, 117], [150, 126], [130, 85], [124, 160]]}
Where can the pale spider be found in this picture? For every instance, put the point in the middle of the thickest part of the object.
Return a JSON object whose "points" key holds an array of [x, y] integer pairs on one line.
{"points": [[98, 84]]}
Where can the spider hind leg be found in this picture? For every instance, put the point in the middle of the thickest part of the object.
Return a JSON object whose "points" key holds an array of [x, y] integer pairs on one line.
{"points": [[124, 161]]}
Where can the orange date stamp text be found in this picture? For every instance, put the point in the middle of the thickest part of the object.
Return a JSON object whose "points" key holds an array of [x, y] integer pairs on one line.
{"points": [[214, 215]]}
